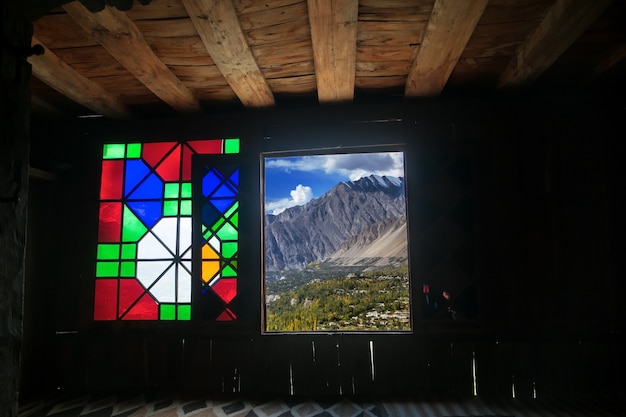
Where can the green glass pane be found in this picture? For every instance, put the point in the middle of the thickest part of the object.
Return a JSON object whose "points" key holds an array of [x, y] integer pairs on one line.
{"points": [[185, 191], [185, 207], [229, 249], [108, 251], [232, 209], [170, 208], [171, 190], [235, 220], [217, 224], [133, 150], [113, 151], [129, 251], [228, 271], [231, 145], [234, 263], [184, 312], [168, 312], [107, 269], [208, 234], [127, 269], [227, 232], [132, 229]]}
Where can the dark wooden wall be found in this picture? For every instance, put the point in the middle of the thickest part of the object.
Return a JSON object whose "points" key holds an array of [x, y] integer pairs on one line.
{"points": [[514, 201]]}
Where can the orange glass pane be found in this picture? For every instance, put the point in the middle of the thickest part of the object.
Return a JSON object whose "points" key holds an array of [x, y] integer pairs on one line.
{"points": [[208, 252], [209, 269]]}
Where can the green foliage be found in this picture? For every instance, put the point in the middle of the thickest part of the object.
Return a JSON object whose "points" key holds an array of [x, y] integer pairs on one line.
{"points": [[375, 300]]}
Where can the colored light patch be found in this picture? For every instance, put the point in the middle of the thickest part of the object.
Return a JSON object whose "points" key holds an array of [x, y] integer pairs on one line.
{"points": [[154, 152], [171, 190], [167, 312], [185, 207], [108, 251], [206, 147], [107, 269], [150, 188], [210, 181], [133, 229], [185, 191], [231, 145], [111, 180], [170, 208], [113, 151], [129, 251], [229, 249], [226, 289], [227, 315], [127, 269], [209, 253], [184, 312], [110, 221], [209, 270], [169, 169], [105, 301], [229, 272], [145, 309], [133, 150], [227, 232]]}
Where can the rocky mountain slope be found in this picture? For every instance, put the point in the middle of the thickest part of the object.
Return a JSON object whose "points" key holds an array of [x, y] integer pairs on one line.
{"points": [[359, 222]]}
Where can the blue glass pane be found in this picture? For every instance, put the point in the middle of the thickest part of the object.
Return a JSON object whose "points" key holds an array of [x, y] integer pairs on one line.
{"points": [[136, 170], [151, 187], [149, 212], [209, 214], [222, 204], [224, 191], [235, 178], [209, 182]]}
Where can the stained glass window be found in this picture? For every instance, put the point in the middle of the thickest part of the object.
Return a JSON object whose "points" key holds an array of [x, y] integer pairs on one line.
{"points": [[144, 255]]}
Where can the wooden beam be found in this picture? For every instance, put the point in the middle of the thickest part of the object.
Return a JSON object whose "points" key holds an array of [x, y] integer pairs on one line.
{"points": [[218, 26], [51, 70], [333, 35], [117, 33], [563, 24], [449, 28]]}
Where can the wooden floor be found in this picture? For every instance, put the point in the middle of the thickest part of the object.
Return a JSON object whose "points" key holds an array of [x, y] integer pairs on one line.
{"points": [[169, 405]]}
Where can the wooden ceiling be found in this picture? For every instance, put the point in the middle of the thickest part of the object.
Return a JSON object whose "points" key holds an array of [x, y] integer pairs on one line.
{"points": [[193, 56]]}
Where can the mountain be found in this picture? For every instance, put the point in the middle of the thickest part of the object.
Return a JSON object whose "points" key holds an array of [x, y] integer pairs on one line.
{"points": [[359, 222]]}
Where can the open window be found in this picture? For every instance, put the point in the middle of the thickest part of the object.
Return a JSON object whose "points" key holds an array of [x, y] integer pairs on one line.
{"points": [[335, 241]]}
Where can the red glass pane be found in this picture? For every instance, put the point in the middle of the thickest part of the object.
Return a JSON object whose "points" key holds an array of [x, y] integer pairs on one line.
{"points": [[226, 288], [112, 177], [105, 300], [169, 169], [186, 174], [226, 315], [153, 153], [145, 309], [211, 146], [110, 222], [130, 291]]}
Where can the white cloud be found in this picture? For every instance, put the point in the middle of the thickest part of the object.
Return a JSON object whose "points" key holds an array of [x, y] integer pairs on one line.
{"points": [[301, 195], [351, 166]]}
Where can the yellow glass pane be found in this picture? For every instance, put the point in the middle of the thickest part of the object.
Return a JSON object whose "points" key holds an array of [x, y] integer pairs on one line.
{"points": [[209, 269], [209, 253]]}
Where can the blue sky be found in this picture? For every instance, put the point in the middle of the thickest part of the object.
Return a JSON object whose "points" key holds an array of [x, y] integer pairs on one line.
{"points": [[294, 180]]}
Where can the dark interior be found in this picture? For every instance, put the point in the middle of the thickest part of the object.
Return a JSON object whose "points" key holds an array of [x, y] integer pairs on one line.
{"points": [[514, 204]]}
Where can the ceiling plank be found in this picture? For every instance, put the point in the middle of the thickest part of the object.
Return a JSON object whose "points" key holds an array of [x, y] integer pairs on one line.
{"points": [[218, 26], [50, 69], [449, 28], [562, 25], [333, 34], [117, 33]]}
